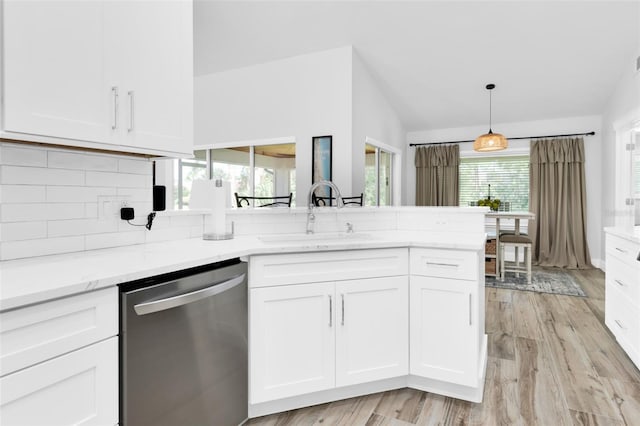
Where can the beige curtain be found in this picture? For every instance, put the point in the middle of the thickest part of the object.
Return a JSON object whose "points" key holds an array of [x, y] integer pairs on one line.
{"points": [[557, 195], [437, 175]]}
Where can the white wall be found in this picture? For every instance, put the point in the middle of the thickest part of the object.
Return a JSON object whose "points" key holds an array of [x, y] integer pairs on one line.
{"points": [[593, 165], [373, 117], [303, 96], [624, 104]]}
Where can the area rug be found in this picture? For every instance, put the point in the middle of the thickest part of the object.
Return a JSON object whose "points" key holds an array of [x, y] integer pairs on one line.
{"points": [[543, 281]]}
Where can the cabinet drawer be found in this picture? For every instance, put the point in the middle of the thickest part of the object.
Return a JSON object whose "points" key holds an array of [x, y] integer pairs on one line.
{"points": [[624, 277], [625, 250], [623, 319], [79, 388], [455, 264], [36, 333], [297, 268]]}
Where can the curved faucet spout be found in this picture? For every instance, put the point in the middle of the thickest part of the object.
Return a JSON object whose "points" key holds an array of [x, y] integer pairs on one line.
{"points": [[339, 201], [311, 218]]}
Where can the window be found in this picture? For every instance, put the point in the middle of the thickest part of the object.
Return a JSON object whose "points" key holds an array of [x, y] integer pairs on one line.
{"points": [[260, 171], [378, 176], [507, 175]]}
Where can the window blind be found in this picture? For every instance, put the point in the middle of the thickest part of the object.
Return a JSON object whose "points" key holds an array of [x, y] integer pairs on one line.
{"points": [[507, 175]]}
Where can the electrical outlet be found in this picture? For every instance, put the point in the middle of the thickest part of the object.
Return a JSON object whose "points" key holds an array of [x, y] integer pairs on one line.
{"points": [[109, 206]]}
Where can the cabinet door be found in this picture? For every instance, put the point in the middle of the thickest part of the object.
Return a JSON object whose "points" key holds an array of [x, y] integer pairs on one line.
{"points": [[53, 70], [292, 340], [372, 329], [79, 388], [443, 336], [154, 68]]}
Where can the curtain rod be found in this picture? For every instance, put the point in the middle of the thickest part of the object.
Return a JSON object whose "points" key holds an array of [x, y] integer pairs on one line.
{"points": [[512, 139]]}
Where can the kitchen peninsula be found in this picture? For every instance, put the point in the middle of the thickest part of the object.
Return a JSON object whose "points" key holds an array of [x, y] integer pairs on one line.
{"points": [[397, 303]]}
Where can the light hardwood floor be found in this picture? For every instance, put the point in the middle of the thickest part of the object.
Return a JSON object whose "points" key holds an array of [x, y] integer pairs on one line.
{"points": [[552, 361]]}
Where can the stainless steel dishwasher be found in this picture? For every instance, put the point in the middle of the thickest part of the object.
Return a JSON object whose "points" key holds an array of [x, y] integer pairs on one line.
{"points": [[183, 348]]}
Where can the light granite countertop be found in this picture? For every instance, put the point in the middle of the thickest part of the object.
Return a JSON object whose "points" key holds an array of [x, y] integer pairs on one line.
{"points": [[28, 281]]}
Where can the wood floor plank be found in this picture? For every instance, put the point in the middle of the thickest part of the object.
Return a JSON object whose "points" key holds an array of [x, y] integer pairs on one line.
{"points": [[540, 397], [495, 294], [626, 397], [354, 411], [499, 318], [378, 420], [439, 410], [403, 404], [525, 319], [580, 418], [500, 404], [501, 345]]}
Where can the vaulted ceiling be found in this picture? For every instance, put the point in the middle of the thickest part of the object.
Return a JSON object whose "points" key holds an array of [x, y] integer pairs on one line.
{"points": [[548, 59]]}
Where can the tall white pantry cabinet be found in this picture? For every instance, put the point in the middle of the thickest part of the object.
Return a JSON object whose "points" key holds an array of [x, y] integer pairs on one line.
{"points": [[114, 75]]}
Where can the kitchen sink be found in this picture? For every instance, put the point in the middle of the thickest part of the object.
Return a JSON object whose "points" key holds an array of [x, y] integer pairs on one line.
{"points": [[327, 237]]}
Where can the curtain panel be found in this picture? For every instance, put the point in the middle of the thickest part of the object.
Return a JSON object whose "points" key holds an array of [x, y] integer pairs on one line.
{"points": [[437, 175], [557, 196]]}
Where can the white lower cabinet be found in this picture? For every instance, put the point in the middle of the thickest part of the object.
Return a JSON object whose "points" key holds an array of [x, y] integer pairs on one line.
{"points": [[372, 330], [60, 361], [622, 298], [331, 325], [444, 336], [79, 388], [312, 337], [291, 340]]}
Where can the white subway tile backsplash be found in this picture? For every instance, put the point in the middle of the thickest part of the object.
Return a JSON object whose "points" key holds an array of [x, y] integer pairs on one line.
{"points": [[20, 212], [91, 210], [54, 200], [114, 239], [70, 194], [18, 231], [167, 234], [22, 194], [40, 247], [140, 167], [23, 156], [64, 228], [40, 176], [136, 194], [81, 161], [119, 180]]}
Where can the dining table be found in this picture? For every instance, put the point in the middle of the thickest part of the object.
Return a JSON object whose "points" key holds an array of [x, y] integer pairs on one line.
{"points": [[499, 216]]}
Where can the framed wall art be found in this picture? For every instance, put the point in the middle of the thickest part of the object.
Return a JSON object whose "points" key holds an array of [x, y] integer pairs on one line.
{"points": [[321, 163]]}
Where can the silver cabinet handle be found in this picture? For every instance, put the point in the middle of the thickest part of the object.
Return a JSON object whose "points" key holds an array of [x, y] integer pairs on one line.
{"points": [[450, 265], [619, 324], [620, 283], [131, 110], [330, 311], [342, 308], [621, 250], [469, 308], [114, 96], [183, 299]]}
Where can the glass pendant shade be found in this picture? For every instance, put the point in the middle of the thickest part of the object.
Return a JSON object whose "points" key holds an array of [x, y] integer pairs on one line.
{"points": [[490, 142]]}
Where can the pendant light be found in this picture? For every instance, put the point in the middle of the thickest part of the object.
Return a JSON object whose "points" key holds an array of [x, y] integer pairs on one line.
{"points": [[490, 141]]}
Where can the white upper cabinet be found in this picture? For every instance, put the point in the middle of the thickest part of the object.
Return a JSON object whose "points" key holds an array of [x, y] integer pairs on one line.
{"points": [[153, 71], [100, 74], [54, 70]]}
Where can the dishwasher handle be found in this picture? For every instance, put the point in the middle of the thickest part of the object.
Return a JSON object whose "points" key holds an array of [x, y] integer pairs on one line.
{"points": [[183, 299]]}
